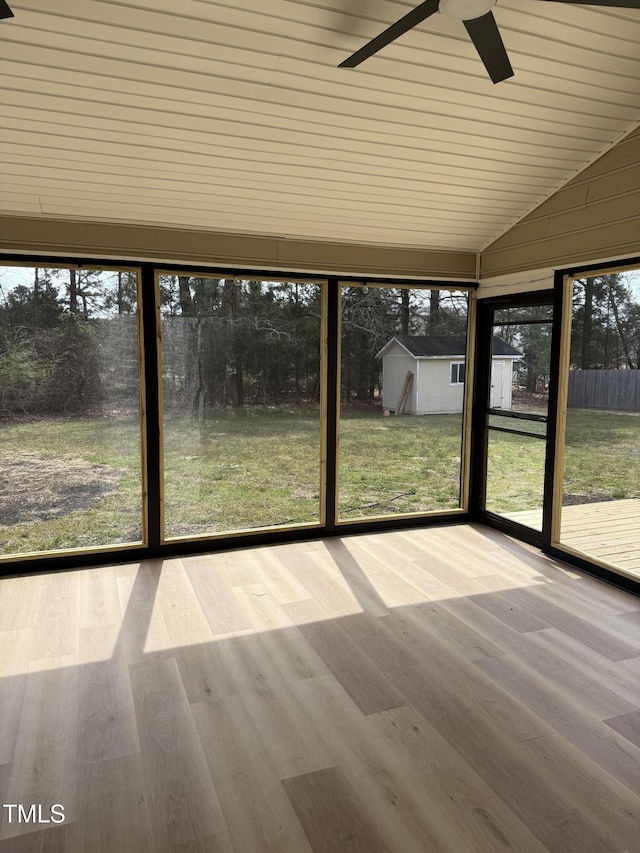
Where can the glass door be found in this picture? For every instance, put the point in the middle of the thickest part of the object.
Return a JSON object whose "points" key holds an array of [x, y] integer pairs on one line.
{"points": [[515, 359]]}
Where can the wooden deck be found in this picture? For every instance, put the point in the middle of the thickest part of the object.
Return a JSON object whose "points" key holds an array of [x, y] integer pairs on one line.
{"points": [[609, 531]]}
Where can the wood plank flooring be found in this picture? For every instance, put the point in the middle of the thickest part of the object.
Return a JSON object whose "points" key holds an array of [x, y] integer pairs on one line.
{"points": [[435, 691], [608, 531]]}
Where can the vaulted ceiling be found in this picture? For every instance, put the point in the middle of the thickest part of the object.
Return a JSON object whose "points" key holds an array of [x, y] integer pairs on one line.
{"points": [[233, 116]]}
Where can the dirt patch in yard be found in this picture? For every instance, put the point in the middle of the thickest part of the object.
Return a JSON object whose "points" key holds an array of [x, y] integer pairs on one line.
{"points": [[38, 488]]}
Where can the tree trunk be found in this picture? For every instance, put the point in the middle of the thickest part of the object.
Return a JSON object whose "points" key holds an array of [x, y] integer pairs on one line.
{"points": [[184, 295], [434, 311], [587, 324], [120, 294], [620, 330], [531, 363], [237, 384], [36, 294], [73, 292], [404, 311], [199, 397], [297, 378]]}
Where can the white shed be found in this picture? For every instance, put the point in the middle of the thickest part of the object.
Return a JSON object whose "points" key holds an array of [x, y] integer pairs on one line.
{"points": [[436, 364]]}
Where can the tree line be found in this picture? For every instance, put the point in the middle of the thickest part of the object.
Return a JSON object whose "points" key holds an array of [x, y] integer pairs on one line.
{"points": [[232, 342], [605, 330], [606, 323], [68, 340]]}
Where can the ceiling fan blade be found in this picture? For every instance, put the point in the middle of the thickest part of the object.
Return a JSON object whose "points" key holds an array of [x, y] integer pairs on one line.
{"points": [[5, 11], [625, 4], [410, 20], [488, 41]]}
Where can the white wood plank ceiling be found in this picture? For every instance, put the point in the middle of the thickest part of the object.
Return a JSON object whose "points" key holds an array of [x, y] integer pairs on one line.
{"points": [[233, 116]]}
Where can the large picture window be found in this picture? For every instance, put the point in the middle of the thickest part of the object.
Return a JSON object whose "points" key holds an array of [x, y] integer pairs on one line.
{"points": [[141, 407], [242, 384], [600, 513], [401, 416], [71, 475]]}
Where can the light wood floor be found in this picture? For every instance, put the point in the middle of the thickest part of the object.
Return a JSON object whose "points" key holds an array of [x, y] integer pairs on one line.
{"points": [[609, 531], [437, 691]]}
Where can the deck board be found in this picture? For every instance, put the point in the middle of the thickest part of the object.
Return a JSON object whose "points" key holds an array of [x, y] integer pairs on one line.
{"points": [[609, 530]]}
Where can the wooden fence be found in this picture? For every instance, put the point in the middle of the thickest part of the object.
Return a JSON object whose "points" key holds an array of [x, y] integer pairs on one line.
{"points": [[605, 389]]}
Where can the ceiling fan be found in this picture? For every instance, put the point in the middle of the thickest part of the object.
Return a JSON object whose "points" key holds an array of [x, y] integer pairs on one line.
{"points": [[478, 19]]}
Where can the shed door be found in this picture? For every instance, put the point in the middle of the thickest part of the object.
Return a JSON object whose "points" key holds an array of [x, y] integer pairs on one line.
{"points": [[497, 384]]}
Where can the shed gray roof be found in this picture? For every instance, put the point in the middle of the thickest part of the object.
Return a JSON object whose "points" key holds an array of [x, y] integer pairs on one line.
{"points": [[426, 346]]}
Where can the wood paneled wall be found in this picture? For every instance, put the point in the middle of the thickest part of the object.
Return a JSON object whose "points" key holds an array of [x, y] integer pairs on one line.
{"points": [[138, 242], [596, 216], [523, 282]]}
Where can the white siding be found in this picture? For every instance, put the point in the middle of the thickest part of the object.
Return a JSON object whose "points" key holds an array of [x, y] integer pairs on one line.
{"points": [[395, 365], [437, 395], [431, 391]]}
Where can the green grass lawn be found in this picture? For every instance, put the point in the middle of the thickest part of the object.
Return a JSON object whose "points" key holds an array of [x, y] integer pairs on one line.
{"points": [[602, 462], [602, 454], [241, 471], [515, 472], [37, 460], [262, 469], [398, 464]]}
